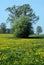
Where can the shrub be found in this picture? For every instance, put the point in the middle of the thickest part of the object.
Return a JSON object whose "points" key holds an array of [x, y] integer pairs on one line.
{"points": [[22, 27]]}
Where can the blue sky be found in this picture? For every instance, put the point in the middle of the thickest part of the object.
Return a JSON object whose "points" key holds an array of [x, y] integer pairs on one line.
{"points": [[37, 5]]}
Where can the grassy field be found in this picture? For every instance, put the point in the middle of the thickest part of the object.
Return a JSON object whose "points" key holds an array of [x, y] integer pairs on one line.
{"points": [[21, 51]]}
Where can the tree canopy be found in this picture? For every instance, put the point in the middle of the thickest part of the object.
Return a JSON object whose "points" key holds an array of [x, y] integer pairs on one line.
{"points": [[22, 18], [22, 27], [17, 11]]}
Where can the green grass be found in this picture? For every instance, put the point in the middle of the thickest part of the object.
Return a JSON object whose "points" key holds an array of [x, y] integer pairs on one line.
{"points": [[37, 36], [14, 51]]}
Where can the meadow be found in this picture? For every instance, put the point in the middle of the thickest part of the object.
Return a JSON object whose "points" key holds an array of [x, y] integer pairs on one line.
{"points": [[14, 51]]}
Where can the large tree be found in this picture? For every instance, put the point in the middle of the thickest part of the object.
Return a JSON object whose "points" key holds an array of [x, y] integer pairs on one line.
{"points": [[22, 18], [17, 11]]}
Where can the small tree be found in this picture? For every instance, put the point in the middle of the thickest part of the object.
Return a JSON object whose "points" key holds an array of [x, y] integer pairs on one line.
{"points": [[22, 27], [39, 29], [3, 28]]}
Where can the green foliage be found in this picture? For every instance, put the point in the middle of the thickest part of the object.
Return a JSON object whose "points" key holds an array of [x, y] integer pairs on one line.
{"points": [[22, 27], [17, 11], [39, 29], [3, 28]]}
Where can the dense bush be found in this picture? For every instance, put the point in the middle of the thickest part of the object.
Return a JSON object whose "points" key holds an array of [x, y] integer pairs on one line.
{"points": [[22, 27]]}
